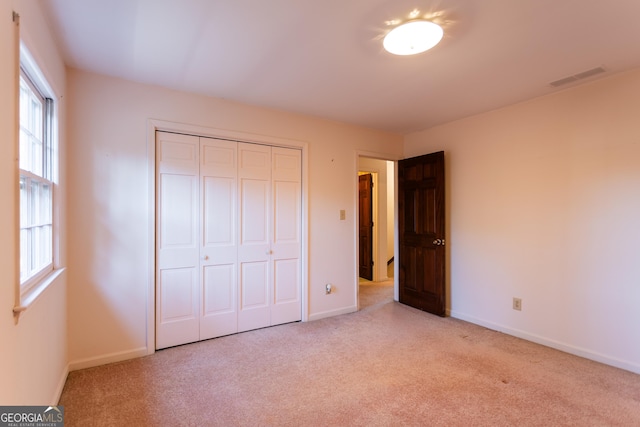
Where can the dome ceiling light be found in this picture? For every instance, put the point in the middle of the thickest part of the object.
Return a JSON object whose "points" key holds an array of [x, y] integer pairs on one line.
{"points": [[413, 37]]}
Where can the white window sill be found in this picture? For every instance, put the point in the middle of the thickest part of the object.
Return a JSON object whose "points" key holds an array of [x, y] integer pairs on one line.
{"points": [[32, 294]]}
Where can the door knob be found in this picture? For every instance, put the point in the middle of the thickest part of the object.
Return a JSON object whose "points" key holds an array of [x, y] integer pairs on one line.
{"points": [[269, 252], [437, 242], [205, 257]]}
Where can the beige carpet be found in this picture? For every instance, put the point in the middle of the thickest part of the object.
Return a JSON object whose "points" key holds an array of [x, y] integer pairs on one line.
{"points": [[385, 365]]}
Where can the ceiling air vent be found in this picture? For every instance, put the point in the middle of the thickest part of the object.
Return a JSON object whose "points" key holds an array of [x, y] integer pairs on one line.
{"points": [[579, 76]]}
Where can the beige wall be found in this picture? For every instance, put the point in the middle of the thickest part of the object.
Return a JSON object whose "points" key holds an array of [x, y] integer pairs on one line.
{"points": [[543, 204], [109, 203], [33, 356]]}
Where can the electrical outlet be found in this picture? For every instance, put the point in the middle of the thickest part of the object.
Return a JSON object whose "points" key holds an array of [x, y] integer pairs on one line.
{"points": [[517, 304]]}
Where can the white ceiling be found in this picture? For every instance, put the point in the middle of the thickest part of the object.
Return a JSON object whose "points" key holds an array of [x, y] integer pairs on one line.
{"points": [[324, 57]]}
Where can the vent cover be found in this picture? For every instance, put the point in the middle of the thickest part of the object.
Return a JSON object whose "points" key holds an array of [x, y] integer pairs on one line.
{"points": [[579, 76]]}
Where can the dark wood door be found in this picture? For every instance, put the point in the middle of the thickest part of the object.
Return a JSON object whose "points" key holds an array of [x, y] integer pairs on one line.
{"points": [[365, 215], [421, 232]]}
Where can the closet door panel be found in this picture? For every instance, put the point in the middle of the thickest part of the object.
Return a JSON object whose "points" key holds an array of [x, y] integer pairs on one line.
{"points": [[286, 306], [218, 157], [219, 219], [254, 296], [177, 247], [218, 170], [218, 251], [254, 214], [219, 301], [219, 284], [254, 161], [178, 217], [177, 309], [254, 175], [287, 164], [286, 218], [286, 244]]}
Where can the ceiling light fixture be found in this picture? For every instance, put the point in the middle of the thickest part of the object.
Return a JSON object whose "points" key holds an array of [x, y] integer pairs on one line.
{"points": [[413, 37]]}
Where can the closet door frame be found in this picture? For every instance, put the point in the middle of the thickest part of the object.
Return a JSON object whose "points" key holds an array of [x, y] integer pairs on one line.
{"points": [[154, 126]]}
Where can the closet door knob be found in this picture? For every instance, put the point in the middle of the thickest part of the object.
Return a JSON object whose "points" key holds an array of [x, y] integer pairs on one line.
{"points": [[205, 257]]}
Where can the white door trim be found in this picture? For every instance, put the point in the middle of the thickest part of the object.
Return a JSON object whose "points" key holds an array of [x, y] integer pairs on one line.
{"points": [[154, 125]]}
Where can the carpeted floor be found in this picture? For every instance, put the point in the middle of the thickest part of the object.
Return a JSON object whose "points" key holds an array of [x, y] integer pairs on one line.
{"points": [[385, 365], [375, 293]]}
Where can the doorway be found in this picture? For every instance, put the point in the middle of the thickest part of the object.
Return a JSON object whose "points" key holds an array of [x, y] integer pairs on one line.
{"points": [[380, 256]]}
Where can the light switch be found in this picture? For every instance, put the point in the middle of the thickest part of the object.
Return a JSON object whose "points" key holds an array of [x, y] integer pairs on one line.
{"points": [[343, 215]]}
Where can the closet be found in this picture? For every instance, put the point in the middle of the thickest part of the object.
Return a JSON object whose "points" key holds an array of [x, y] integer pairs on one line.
{"points": [[228, 237]]}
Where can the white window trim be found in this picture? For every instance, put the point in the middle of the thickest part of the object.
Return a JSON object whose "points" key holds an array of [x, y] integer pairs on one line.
{"points": [[27, 292], [32, 293]]}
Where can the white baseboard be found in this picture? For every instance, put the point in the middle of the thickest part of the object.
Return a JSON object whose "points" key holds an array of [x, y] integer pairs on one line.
{"points": [[107, 358], [60, 387], [331, 313], [567, 348]]}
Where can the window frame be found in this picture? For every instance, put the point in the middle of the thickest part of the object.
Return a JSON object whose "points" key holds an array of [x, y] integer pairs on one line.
{"points": [[32, 285]]}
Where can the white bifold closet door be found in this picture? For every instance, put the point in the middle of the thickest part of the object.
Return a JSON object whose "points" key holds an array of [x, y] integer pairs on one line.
{"points": [[228, 237]]}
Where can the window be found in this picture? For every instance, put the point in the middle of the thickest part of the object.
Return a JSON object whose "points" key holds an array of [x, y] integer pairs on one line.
{"points": [[36, 165]]}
